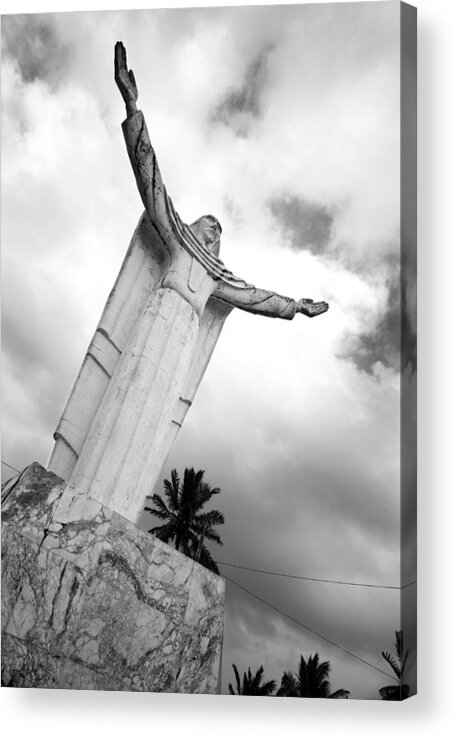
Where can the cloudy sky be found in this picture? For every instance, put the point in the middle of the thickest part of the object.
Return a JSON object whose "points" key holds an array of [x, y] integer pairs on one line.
{"points": [[284, 123]]}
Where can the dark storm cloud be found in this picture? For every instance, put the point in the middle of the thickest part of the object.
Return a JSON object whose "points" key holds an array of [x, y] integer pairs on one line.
{"points": [[305, 225], [340, 533], [28, 351], [32, 42], [37, 373], [341, 614], [383, 343], [240, 106]]}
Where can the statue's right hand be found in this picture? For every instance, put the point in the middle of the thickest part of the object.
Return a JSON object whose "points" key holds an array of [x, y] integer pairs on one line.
{"points": [[125, 79]]}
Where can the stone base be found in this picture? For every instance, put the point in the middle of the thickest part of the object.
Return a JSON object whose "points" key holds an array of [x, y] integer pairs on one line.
{"points": [[89, 601]]}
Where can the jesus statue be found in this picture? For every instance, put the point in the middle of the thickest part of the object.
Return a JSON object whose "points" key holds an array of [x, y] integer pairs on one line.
{"points": [[134, 418]]}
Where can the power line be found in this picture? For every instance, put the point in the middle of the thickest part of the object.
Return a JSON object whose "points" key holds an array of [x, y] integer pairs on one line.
{"points": [[289, 617], [11, 467], [311, 630], [294, 576], [314, 579]]}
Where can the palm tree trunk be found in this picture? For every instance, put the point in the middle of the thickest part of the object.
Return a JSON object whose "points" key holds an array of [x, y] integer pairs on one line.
{"points": [[199, 547]]}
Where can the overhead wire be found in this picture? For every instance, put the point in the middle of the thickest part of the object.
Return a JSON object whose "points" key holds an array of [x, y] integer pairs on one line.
{"points": [[308, 628], [286, 615], [11, 467], [295, 576], [315, 579]]}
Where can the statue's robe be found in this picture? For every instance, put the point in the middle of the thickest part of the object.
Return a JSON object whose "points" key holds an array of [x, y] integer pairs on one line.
{"points": [[150, 350]]}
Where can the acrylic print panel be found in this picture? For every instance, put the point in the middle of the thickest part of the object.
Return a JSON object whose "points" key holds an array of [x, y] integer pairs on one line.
{"points": [[295, 127]]}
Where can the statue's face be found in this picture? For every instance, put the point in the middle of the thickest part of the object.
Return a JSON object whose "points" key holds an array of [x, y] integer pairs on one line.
{"points": [[208, 231]]}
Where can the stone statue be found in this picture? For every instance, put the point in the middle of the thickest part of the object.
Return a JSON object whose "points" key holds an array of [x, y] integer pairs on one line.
{"points": [[196, 271], [155, 337]]}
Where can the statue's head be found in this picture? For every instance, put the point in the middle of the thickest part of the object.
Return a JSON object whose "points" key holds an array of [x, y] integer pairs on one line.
{"points": [[207, 230]]}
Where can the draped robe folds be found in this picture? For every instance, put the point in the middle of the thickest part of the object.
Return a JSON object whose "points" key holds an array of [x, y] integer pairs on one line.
{"points": [[150, 350]]}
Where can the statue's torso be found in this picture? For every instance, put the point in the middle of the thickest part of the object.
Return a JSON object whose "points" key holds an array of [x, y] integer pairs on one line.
{"points": [[189, 279]]}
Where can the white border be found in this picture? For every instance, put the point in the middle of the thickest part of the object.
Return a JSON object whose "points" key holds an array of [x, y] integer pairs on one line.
{"points": [[37, 713]]}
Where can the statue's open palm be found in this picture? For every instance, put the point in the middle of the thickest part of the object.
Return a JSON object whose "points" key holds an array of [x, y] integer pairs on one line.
{"points": [[311, 308], [124, 78]]}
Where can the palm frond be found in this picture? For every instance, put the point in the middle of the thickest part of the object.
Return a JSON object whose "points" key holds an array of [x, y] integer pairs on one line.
{"points": [[238, 681], [213, 536], [205, 492], [390, 659], [205, 559], [164, 532], [210, 518], [172, 490], [288, 686], [252, 683], [180, 510], [268, 687], [339, 694], [310, 680], [160, 509], [257, 678], [399, 643]]}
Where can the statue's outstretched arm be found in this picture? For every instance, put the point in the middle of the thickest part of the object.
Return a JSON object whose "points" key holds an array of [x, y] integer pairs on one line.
{"points": [[265, 302], [157, 203]]}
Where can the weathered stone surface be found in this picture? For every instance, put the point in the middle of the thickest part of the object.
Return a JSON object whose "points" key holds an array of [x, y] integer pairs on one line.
{"points": [[154, 652], [25, 665], [91, 602], [205, 609], [73, 675], [18, 558], [126, 542], [105, 627], [47, 602], [169, 580], [199, 659], [135, 560], [29, 499], [77, 528]]}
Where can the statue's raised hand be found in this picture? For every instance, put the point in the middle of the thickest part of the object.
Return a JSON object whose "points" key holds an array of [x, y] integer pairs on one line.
{"points": [[311, 308], [125, 79]]}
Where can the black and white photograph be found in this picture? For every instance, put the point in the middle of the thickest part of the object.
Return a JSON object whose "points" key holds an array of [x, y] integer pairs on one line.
{"points": [[209, 350]]}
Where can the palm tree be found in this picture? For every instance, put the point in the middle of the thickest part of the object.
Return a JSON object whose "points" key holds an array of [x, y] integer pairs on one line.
{"points": [[397, 662], [252, 685], [183, 522], [311, 680]]}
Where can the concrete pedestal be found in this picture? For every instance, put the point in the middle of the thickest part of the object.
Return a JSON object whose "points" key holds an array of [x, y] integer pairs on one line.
{"points": [[91, 602]]}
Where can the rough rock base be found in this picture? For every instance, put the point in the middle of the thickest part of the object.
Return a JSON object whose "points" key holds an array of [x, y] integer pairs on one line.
{"points": [[91, 602]]}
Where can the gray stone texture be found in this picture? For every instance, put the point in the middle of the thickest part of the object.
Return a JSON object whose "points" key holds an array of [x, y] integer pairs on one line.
{"points": [[89, 601]]}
